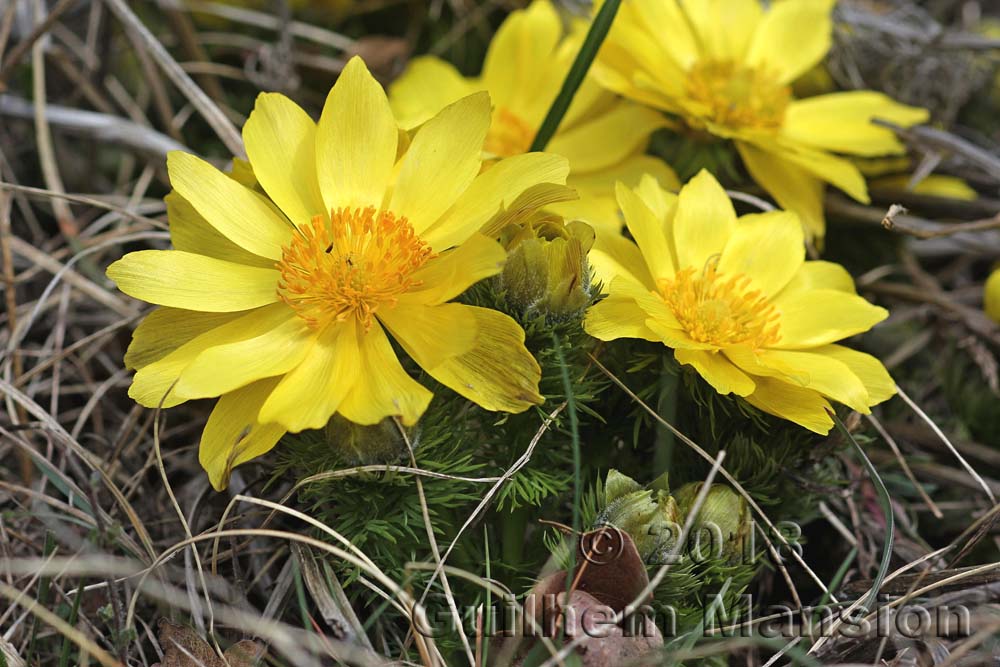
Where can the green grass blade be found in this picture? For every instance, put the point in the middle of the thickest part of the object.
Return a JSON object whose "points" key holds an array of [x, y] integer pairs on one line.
{"points": [[577, 71], [885, 502]]}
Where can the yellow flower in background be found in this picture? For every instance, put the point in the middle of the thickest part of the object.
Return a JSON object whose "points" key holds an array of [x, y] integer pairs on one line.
{"points": [[280, 304], [991, 296], [735, 299], [604, 138], [725, 68]]}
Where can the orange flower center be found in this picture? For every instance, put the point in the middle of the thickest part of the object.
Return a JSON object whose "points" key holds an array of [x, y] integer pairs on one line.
{"points": [[720, 310], [360, 261], [737, 96], [508, 135]]}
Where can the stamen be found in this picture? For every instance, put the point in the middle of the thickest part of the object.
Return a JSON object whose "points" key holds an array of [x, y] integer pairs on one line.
{"points": [[721, 310], [737, 96], [508, 134], [360, 261]]}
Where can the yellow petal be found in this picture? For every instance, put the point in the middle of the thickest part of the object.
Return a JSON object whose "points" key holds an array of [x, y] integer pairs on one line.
{"points": [[382, 389], [355, 141], [934, 185], [154, 382], [654, 192], [238, 213], [498, 372], [607, 139], [819, 274], [650, 234], [492, 190], [420, 329], [827, 375], [682, 44], [647, 299], [193, 282], [166, 329], [308, 395], [452, 272], [750, 361], [792, 37], [613, 256], [427, 85], [600, 212], [442, 161], [767, 247], [834, 170], [618, 317], [190, 232], [870, 370], [793, 188], [703, 222], [718, 371], [675, 338], [524, 41], [841, 122], [280, 140], [526, 205], [724, 27], [805, 407], [991, 296], [224, 368], [597, 205], [814, 318], [233, 435]]}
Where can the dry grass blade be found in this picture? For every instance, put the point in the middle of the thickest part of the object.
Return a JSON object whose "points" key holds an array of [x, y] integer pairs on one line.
{"points": [[208, 109]]}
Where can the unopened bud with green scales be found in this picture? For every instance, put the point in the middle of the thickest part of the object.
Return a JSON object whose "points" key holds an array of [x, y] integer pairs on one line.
{"points": [[723, 521], [648, 514], [547, 271], [366, 445]]}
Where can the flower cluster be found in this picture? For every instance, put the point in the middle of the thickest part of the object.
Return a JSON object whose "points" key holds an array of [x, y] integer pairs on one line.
{"points": [[315, 279]]}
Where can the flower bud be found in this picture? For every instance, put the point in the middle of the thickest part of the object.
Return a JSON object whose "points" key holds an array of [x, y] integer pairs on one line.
{"points": [[365, 445], [649, 516], [723, 516], [547, 271]]}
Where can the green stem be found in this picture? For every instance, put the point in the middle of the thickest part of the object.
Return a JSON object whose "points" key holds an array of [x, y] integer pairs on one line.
{"points": [[577, 72], [885, 502], [574, 427], [666, 407], [513, 536]]}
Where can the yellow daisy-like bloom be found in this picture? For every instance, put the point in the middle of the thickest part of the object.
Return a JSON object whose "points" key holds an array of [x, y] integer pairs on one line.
{"points": [[279, 299], [725, 68], [735, 299], [604, 138]]}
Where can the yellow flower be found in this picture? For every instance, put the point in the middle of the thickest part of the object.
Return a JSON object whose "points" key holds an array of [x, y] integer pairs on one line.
{"points": [[725, 67], [603, 137], [735, 299], [280, 303], [991, 296]]}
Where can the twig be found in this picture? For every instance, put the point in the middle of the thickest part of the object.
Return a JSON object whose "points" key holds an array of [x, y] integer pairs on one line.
{"points": [[208, 109], [16, 53], [261, 20], [102, 127], [937, 430], [891, 221], [429, 528], [935, 510], [940, 139], [43, 137]]}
